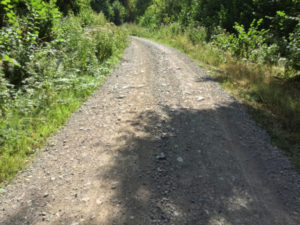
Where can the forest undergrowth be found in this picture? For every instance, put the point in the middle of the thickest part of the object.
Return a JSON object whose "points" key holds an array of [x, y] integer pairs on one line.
{"points": [[50, 64]]}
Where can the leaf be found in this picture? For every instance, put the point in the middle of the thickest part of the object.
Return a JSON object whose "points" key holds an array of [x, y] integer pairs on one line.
{"points": [[11, 60], [9, 15], [280, 13]]}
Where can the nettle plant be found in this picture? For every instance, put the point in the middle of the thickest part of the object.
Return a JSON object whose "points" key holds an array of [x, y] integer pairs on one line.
{"points": [[24, 30]]}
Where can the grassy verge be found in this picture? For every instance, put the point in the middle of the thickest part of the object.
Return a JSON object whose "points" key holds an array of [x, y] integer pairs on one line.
{"points": [[271, 100], [63, 74]]}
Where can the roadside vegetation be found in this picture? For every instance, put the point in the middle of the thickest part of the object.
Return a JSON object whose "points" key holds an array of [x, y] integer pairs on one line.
{"points": [[251, 47], [53, 56]]}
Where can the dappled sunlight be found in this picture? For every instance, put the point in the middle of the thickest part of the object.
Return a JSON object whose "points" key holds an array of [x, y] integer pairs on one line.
{"points": [[239, 201]]}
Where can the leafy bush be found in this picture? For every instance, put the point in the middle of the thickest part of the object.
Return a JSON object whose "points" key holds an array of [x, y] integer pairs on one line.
{"points": [[21, 35], [251, 45], [294, 50], [119, 13], [4, 94], [104, 47], [175, 28], [103, 6], [42, 80], [100, 19], [74, 6], [149, 19], [196, 34]]}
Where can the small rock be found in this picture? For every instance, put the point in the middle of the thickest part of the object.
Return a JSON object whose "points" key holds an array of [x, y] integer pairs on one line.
{"points": [[114, 185], [46, 219], [176, 213], [131, 217], [161, 156], [43, 214], [237, 220], [85, 199], [99, 201], [180, 159], [200, 98], [46, 195], [164, 136]]}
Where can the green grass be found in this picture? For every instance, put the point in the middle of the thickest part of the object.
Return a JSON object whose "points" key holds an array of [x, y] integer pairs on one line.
{"points": [[274, 103], [63, 81], [24, 134]]}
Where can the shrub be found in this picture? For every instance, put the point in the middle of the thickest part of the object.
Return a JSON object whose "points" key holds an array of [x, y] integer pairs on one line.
{"points": [[293, 64], [21, 35], [87, 16], [196, 34], [100, 19], [251, 45], [104, 46], [175, 28], [119, 13], [149, 19], [58, 75]]}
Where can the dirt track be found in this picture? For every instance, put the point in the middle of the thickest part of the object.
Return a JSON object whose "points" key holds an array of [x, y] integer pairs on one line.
{"points": [[159, 143]]}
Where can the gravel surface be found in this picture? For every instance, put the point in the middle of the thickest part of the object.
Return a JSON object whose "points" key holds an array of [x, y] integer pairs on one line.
{"points": [[159, 143]]}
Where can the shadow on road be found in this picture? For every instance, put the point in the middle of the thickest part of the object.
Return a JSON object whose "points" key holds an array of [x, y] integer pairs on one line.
{"points": [[185, 169]]}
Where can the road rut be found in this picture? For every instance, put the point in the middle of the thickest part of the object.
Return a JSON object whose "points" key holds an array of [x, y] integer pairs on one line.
{"points": [[159, 143]]}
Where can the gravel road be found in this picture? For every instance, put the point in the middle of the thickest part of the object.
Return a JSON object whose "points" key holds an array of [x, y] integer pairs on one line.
{"points": [[159, 143]]}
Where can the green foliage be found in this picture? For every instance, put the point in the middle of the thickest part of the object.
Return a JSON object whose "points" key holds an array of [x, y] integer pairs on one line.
{"points": [[4, 94], [21, 35], [46, 73], [258, 31], [293, 49], [74, 6], [119, 13], [149, 19], [87, 16], [250, 45], [196, 34], [103, 6]]}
